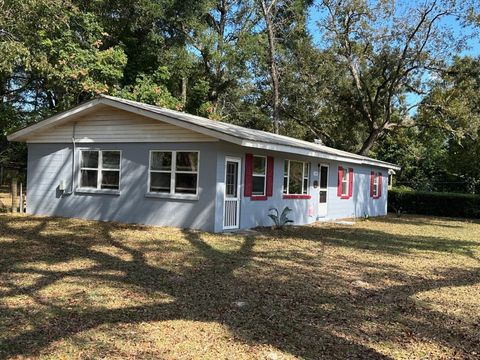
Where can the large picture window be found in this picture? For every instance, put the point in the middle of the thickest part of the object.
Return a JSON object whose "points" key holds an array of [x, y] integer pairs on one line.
{"points": [[173, 172], [259, 175], [296, 177], [100, 169]]}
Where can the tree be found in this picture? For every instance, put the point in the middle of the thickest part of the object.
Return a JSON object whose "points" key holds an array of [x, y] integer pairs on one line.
{"points": [[389, 53]]}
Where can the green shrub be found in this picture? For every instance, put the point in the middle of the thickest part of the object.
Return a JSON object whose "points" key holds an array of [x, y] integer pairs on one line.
{"points": [[434, 203]]}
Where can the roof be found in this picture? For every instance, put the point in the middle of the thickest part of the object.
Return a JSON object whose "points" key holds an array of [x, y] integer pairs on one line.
{"points": [[224, 131]]}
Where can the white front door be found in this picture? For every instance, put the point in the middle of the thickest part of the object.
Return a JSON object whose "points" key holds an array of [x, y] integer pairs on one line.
{"points": [[231, 208], [323, 190]]}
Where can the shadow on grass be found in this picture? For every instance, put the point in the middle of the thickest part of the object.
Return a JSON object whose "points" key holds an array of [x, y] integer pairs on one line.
{"points": [[300, 314]]}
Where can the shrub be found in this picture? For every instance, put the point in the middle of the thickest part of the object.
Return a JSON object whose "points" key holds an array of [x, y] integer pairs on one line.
{"points": [[434, 203]]}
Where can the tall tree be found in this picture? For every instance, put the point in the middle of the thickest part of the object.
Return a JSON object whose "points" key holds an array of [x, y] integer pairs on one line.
{"points": [[389, 52]]}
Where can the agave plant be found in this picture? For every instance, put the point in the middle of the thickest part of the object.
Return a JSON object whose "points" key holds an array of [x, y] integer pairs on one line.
{"points": [[280, 220]]}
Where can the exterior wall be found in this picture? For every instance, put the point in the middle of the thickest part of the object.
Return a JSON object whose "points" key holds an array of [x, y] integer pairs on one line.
{"points": [[254, 213], [108, 124], [48, 164]]}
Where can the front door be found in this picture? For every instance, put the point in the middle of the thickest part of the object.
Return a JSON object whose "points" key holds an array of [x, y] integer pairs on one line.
{"points": [[231, 208], [323, 191]]}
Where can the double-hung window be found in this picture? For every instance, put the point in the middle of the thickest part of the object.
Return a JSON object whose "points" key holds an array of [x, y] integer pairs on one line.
{"points": [[345, 181], [173, 172], [375, 186], [259, 175], [100, 169], [295, 177]]}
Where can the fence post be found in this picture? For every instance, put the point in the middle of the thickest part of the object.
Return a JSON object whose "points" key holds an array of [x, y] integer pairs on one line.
{"points": [[14, 194], [20, 206]]}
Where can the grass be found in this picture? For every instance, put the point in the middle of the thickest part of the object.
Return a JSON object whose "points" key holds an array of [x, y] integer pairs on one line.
{"points": [[404, 288]]}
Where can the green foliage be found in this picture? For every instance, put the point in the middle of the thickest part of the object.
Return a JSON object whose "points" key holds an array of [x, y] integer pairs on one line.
{"points": [[280, 220], [434, 203]]}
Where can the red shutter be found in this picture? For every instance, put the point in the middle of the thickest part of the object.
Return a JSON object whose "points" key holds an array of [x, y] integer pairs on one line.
{"points": [[350, 182], [248, 174], [380, 181], [270, 166], [372, 183], [339, 186]]}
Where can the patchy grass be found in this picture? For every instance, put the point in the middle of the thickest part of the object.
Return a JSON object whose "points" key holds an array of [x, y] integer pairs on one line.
{"points": [[401, 288]]}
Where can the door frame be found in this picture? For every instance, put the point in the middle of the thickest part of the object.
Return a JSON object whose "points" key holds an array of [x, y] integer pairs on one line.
{"points": [[323, 189], [237, 160]]}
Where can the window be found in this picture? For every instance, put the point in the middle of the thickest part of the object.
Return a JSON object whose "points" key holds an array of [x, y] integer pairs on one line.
{"points": [[100, 169], [259, 175], [173, 172], [345, 183], [375, 186], [295, 177]]}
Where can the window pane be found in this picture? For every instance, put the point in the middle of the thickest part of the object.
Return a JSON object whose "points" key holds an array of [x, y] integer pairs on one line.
{"points": [[111, 159], [187, 161], [186, 183], [88, 179], [323, 196], [110, 180], [323, 177], [305, 186], [161, 161], [296, 177], [160, 182], [90, 159], [258, 185], [259, 165], [306, 169], [285, 184], [231, 187], [285, 168], [344, 188]]}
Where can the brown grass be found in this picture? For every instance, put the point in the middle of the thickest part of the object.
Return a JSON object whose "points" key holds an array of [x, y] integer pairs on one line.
{"points": [[401, 288]]}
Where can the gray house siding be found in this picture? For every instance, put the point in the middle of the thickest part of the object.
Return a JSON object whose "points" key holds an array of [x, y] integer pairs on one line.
{"points": [[253, 213], [48, 164]]}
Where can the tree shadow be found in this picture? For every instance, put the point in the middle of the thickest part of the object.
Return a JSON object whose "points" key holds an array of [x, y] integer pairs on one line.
{"points": [[292, 309]]}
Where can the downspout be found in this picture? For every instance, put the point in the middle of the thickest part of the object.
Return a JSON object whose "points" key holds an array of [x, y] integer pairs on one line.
{"points": [[72, 183]]}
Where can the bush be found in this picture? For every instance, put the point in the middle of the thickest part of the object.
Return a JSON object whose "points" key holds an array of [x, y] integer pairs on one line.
{"points": [[434, 203]]}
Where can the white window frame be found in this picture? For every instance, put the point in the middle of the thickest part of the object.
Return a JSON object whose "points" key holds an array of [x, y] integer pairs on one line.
{"points": [[376, 183], [264, 175], [305, 191], [346, 176], [99, 170], [172, 194]]}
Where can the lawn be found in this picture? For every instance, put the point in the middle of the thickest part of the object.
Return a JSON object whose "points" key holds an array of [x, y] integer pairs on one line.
{"points": [[401, 288]]}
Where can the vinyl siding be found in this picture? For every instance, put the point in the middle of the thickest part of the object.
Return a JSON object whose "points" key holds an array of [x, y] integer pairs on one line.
{"points": [[112, 125]]}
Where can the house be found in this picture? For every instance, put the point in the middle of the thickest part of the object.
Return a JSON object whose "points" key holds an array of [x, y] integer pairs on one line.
{"points": [[119, 160]]}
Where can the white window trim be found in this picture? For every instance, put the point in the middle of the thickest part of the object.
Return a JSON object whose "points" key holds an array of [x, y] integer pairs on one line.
{"points": [[347, 180], [172, 194], [376, 184], [99, 169], [304, 176], [264, 175]]}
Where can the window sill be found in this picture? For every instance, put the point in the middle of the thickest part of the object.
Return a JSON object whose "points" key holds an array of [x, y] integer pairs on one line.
{"points": [[171, 196], [345, 197], [258, 197], [97, 191], [298, 196]]}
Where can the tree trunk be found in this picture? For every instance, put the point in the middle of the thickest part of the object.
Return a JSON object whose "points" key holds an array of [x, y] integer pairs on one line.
{"points": [[274, 78], [184, 90], [369, 142]]}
